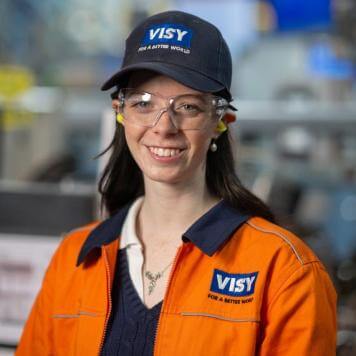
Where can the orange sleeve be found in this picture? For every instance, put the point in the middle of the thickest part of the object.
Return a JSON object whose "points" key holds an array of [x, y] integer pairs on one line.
{"points": [[300, 319], [37, 333]]}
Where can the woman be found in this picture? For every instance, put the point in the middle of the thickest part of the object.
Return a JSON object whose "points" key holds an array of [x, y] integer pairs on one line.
{"points": [[189, 261]]}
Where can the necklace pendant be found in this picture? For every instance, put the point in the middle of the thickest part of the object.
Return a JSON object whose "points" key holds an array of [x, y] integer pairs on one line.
{"points": [[151, 287], [153, 280]]}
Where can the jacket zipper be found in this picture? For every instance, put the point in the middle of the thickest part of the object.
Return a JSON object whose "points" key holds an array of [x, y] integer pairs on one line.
{"points": [[179, 252], [107, 269]]}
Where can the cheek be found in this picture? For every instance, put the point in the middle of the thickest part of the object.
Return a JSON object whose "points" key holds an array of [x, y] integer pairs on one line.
{"points": [[133, 136], [202, 139], [200, 144]]}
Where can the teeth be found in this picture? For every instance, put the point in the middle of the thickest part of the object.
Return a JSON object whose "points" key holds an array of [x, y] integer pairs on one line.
{"points": [[164, 152]]}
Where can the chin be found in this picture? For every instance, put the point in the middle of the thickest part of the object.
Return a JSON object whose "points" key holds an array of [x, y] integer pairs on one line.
{"points": [[165, 177]]}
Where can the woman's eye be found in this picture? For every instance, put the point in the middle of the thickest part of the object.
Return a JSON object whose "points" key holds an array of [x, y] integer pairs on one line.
{"points": [[188, 107], [141, 104]]}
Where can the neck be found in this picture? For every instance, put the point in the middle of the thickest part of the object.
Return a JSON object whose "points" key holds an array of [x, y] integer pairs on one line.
{"points": [[177, 206]]}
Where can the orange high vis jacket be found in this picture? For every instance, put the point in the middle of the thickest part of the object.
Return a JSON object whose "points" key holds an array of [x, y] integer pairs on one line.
{"points": [[239, 285]]}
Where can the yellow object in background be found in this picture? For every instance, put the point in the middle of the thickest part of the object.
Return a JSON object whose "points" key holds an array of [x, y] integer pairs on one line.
{"points": [[14, 81], [13, 118]]}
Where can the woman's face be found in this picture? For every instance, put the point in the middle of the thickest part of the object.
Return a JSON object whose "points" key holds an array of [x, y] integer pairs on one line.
{"points": [[163, 152]]}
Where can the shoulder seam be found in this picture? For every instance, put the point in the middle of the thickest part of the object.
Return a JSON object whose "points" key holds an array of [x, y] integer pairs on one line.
{"points": [[283, 237]]}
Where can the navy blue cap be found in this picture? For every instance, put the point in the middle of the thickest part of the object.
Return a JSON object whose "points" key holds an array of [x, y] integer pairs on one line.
{"points": [[182, 46]]}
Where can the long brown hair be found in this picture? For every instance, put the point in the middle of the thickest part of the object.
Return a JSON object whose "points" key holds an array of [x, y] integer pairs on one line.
{"points": [[122, 180]]}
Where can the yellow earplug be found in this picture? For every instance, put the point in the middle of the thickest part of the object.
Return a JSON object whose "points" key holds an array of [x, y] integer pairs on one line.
{"points": [[221, 127], [119, 118]]}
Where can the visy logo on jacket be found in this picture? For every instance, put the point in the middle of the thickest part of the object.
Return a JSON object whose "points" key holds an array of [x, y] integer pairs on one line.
{"points": [[236, 285]]}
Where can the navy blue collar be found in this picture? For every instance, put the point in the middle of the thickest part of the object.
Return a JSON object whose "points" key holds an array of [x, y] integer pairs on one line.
{"points": [[208, 233]]}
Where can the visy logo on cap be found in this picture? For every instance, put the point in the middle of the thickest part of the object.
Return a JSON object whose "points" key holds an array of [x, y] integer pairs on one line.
{"points": [[236, 285], [168, 33]]}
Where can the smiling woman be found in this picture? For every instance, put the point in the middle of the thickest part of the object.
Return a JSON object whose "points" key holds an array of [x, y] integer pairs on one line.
{"points": [[169, 144], [189, 261]]}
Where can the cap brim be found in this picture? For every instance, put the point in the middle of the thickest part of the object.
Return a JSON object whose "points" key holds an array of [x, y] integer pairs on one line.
{"points": [[184, 76]]}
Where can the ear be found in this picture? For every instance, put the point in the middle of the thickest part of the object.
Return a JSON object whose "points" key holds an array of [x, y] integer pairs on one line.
{"points": [[115, 104], [220, 128], [120, 119], [223, 123]]}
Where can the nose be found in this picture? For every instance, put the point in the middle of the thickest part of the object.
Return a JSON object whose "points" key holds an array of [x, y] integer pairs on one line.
{"points": [[165, 123]]}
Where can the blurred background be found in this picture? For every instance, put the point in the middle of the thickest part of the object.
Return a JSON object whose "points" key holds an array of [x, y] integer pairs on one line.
{"points": [[294, 86]]}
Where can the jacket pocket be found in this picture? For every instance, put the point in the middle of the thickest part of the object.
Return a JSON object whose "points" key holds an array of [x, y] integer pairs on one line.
{"points": [[65, 328], [209, 333], [68, 332]]}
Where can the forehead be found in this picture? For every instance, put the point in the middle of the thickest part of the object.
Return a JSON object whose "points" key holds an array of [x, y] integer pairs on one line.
{"points": [[158, 83]]}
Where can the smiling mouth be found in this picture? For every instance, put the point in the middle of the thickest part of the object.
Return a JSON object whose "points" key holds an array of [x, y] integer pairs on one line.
{"points": [[165, 152]]}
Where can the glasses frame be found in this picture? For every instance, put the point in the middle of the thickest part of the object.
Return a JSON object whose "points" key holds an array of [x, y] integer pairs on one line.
{"points": [[220, 104]]}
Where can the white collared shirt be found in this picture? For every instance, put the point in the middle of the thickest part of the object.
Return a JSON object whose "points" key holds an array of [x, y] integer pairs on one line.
{"points": [[133, 246]]}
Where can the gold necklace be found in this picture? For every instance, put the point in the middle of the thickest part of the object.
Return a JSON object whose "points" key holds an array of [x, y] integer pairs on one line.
{"points": [[154, 277]]}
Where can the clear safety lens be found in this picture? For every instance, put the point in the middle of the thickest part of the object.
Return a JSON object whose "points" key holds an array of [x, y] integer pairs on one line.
{"points": [[187, 111]]}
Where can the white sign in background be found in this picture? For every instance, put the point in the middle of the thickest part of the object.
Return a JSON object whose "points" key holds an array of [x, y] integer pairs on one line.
{"points": [[23, 262]]}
